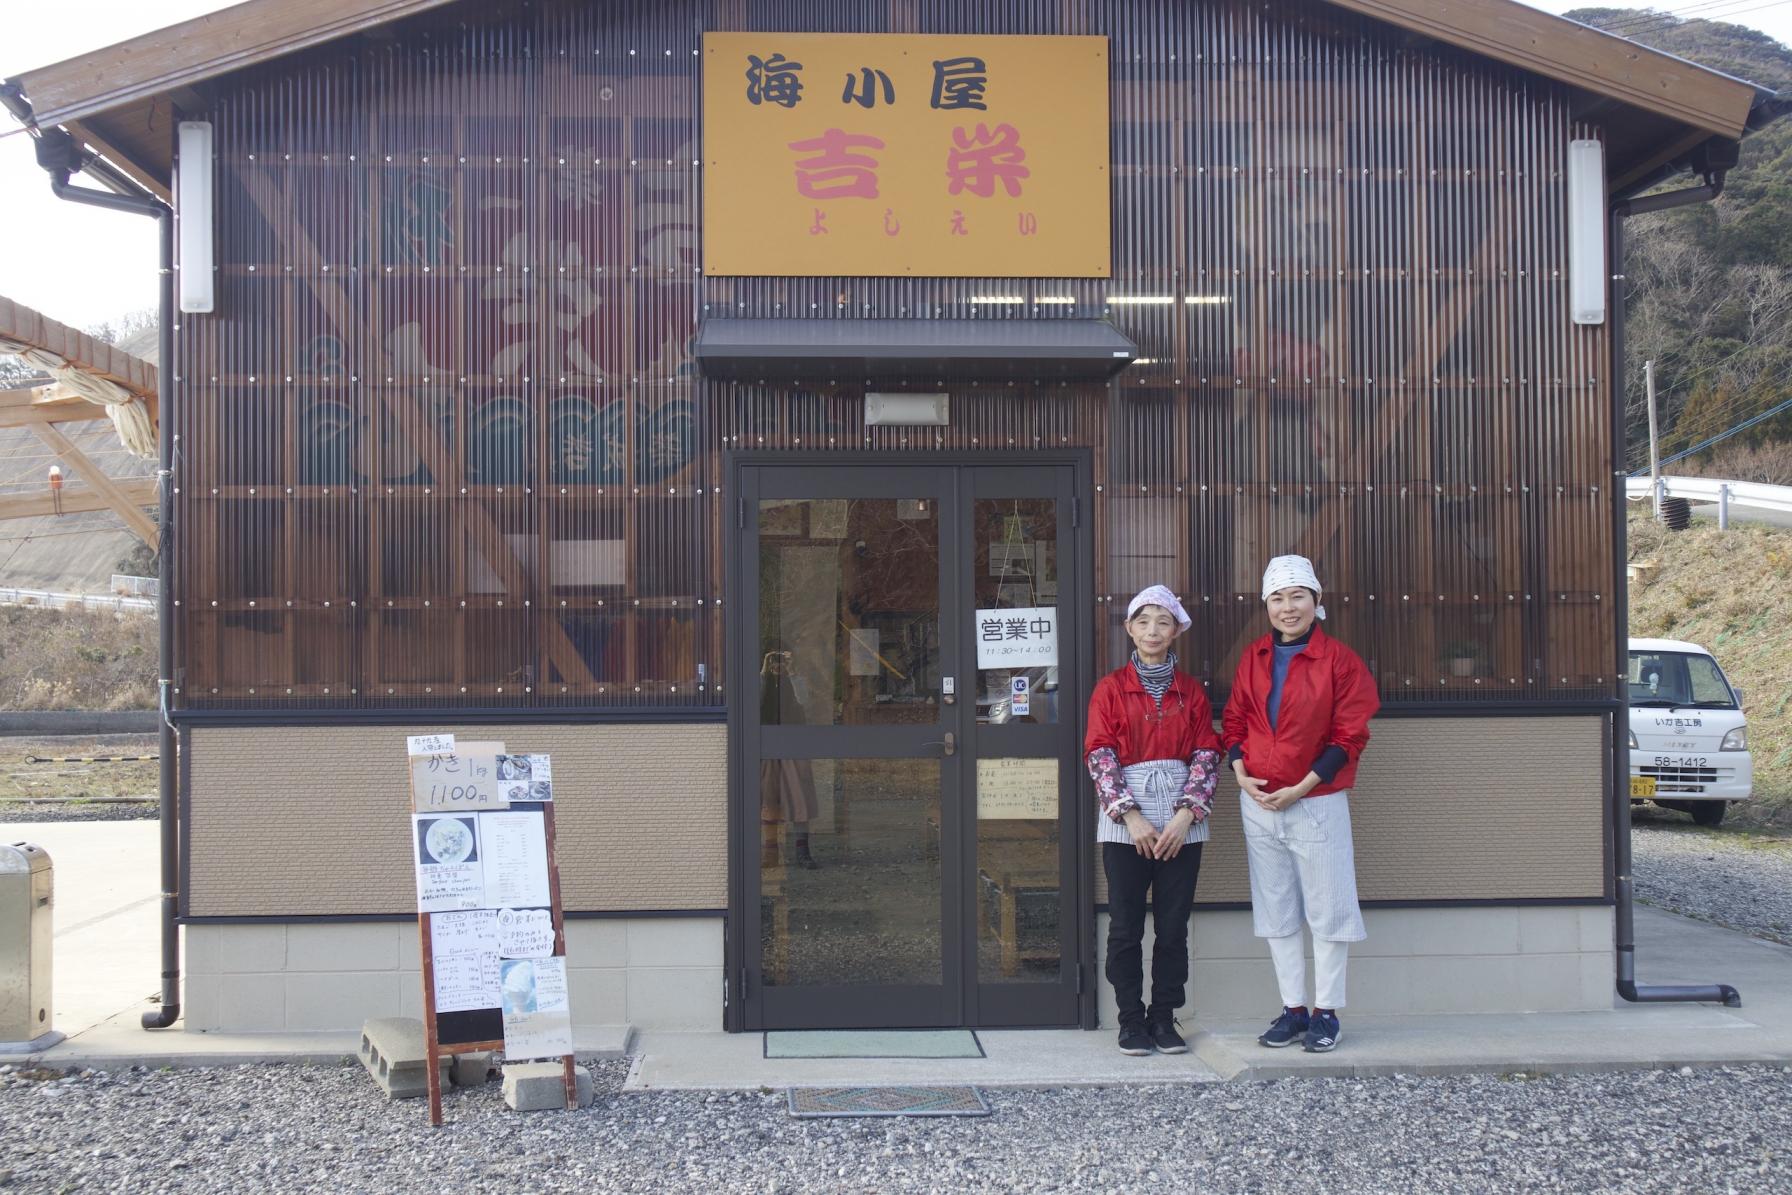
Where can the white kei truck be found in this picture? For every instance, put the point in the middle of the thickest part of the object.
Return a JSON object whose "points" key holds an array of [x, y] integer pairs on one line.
{"points": [[1688, 737]]}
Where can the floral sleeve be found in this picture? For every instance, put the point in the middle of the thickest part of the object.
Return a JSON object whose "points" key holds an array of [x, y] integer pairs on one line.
{"points": [[1110, 784], [1197, 790]]}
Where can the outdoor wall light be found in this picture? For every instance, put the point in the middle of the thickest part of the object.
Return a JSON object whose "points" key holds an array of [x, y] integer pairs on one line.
{"points": [[193, 210], [907, 410], [1587, 275]]}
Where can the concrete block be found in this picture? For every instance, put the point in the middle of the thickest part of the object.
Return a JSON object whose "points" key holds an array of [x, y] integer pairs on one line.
{"points": [[395, 1054], [541, 1086], [597, 942], [369, 946], [252, 1003], [599, 997], [203, 952], [322, 1002], [251, 948], [675, 997], [672, 942], [471, 1070]]}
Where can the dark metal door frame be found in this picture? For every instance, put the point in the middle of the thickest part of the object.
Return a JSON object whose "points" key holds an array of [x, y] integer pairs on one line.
{"points": [[957, 480]]}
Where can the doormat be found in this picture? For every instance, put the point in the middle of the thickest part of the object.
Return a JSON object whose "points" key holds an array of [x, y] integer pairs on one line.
{"points": [[872, 1043], [822, 1103]]}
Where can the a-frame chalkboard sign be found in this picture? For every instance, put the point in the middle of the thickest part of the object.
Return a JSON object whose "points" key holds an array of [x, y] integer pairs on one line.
{"points": [[490, 926]]}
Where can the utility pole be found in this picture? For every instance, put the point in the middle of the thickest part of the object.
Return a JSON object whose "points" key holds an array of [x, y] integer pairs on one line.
{"points": [[1654, 440]]}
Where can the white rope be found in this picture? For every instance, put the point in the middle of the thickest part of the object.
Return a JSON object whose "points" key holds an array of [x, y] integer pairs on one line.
{"points": [[130, 416]]}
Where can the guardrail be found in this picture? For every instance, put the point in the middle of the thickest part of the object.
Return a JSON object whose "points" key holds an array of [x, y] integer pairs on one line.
{"points": [[1756, 496], [11, 596]]}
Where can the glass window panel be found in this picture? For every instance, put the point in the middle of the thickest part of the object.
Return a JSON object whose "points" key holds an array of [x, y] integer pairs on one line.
{"points": [[849, 611], [849, 873], [1015, 567], [1018, 896]]}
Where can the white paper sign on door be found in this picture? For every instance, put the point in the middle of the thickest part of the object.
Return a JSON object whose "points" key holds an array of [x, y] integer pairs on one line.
{"points": [[1026, 637]]}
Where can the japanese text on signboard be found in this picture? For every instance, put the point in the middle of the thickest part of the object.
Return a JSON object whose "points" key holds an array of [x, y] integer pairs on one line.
{"points": [[905, 154]]}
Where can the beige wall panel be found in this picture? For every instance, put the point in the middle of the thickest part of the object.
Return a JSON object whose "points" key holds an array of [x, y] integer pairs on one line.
{"points": [[300, 821], [1455, 809]]}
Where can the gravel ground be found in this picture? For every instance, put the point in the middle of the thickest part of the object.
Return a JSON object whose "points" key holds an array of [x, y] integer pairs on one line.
{"points": [[291, 1128], [1743, 881], [78, 811]]}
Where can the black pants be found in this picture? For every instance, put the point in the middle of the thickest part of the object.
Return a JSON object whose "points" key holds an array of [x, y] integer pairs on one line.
{"points": [[1171, 883]]}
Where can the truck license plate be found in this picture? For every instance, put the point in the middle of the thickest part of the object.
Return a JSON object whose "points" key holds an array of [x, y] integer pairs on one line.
{"points": [[1642, 786]]}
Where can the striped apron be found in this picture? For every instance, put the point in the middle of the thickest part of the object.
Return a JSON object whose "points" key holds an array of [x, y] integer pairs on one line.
{"points": [[1155, 785], [1303, 867]]}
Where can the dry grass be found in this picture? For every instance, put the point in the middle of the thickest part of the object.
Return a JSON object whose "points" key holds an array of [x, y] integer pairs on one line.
{"points": [[1770, 463], [76, 660], [19, 778], [1727, 591]]}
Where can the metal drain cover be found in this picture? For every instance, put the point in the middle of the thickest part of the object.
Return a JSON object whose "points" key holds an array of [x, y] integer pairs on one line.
{"points": [[818, 1103]]}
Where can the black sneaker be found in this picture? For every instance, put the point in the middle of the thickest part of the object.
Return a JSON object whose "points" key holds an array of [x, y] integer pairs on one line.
{"points": [[1288, 1028], [1134, 1040], [1166, 1039], [1322, 1032]]}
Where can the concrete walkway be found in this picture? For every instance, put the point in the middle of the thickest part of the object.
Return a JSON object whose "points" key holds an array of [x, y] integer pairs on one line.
{"points": [[104, 916], [107, 961]]}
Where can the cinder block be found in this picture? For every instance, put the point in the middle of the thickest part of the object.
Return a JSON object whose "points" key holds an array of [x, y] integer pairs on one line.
{"points": [[471, 1070], [395, 1054], [541, 1086]]}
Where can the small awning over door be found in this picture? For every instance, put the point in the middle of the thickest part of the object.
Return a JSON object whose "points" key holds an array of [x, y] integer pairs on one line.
{"points": [[918, 351]]}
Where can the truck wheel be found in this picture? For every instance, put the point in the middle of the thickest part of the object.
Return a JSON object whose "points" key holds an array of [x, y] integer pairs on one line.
{"points": [[1708, 813]]}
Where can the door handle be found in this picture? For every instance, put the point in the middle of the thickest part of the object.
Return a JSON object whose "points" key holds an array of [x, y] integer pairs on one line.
{"points": [[950, 743]]}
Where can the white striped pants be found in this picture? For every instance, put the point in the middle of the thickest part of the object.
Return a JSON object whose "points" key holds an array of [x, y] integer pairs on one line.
{"points": [[1303, 869]]}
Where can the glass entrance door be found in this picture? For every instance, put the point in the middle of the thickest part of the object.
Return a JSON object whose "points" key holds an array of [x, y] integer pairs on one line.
{"points": [[903, 762]]}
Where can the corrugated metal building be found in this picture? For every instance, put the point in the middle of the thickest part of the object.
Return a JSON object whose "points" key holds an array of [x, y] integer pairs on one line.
{"points": [[524, 410]]}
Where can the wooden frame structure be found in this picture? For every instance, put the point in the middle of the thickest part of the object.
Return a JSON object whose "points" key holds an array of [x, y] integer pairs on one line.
{"points": [[42, 409]]}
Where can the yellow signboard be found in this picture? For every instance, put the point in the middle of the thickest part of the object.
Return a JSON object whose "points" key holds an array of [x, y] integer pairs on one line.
{"points": [[905, 154]]}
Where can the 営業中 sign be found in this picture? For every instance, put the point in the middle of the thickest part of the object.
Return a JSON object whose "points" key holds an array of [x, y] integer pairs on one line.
{"points": [[1026, 637], [905, 154]]}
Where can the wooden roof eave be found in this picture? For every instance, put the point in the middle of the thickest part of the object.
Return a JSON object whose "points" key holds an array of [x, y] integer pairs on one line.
{"points": [[1579, 55]]}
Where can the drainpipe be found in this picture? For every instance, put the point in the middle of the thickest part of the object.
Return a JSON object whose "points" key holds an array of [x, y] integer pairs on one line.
{"points": [[1627, 985], [60, 155]]}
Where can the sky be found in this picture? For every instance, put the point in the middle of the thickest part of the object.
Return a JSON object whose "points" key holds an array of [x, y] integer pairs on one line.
{"points": [[85, 266]]}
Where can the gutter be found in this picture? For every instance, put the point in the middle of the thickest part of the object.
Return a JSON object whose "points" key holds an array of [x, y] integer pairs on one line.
{"points": [[1711, 161], [62, 156]]}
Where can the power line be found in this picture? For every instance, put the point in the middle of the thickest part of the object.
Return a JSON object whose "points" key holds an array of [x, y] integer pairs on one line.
{"points": [[1650, 21], [1724, 435], [1667, 21]]}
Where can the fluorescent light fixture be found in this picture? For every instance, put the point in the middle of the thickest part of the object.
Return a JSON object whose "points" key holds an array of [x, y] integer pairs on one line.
{"points": [[193, 213], [1144, 360], [1064, 300], [1141, 299], [1587, 273], [1204, 299], [907, 410], [975, 299]]}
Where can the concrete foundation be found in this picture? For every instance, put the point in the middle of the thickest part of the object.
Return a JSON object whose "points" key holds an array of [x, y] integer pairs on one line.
{"points": [[1497, 959], [323, 977]]}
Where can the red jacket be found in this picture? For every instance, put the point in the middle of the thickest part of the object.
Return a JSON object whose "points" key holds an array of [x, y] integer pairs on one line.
{"points": [[1327, 700], [1121, 716]]}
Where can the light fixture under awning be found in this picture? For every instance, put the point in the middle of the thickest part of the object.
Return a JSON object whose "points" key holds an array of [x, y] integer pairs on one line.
{"points": [[852, 351]]}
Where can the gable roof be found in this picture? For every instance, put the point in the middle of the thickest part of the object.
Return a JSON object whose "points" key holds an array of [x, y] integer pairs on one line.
{"points": [[121, 99]]}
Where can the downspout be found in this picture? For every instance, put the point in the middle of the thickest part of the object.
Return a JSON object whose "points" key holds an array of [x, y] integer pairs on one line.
{"points": [[1625, 937], [60, 155]]}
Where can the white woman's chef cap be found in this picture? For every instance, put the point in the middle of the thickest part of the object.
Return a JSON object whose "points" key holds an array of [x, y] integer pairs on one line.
{"points": [[1284, 571], [1158, 595]]}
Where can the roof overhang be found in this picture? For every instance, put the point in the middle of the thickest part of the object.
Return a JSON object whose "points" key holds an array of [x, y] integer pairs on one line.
{"points": [[1655, 108], [911, 351]]}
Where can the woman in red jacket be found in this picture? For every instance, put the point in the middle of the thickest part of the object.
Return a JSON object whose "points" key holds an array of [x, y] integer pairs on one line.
{"points": [[1154, 758], [1296, 722]]}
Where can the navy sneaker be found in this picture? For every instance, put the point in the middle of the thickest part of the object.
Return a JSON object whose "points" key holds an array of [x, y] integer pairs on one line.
{"points": [[1288, 1028], [1322, 1032], [1135, 1040]]}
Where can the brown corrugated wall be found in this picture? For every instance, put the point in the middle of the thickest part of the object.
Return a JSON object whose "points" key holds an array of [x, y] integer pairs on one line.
{"points": [[443, 442]]}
